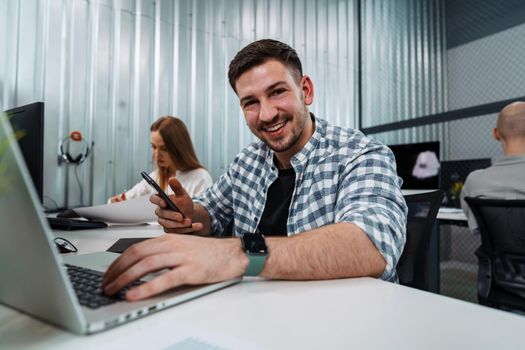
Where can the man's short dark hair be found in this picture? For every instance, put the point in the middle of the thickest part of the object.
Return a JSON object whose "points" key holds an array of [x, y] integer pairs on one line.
{"points": [[258, 53]]}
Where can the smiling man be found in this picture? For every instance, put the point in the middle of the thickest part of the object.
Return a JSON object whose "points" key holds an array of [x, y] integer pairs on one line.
{"points": [[308, 201]]}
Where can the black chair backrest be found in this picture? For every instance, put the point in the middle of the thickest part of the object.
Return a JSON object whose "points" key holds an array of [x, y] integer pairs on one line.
{"points": [[502, 227], [412, 267]]}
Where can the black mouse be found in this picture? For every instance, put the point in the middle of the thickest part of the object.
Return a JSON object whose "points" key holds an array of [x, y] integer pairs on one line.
{"points": [[64, 246], [68, 213]]}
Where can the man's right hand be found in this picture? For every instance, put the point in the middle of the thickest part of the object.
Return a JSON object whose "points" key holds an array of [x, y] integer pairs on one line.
{"points": [[172, 221]]}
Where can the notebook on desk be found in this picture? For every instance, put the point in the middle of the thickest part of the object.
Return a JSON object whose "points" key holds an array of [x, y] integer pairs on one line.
{"points": [[35, 279]]}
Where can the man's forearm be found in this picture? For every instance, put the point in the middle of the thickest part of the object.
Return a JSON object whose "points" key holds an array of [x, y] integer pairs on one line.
{"points": [[334, 251]]}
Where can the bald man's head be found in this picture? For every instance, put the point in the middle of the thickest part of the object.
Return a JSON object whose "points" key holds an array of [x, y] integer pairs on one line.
{"points": [[511, 121]]}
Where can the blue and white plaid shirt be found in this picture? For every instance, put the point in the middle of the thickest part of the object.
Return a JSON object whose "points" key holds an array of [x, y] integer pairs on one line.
{"points": [[341, 176]]}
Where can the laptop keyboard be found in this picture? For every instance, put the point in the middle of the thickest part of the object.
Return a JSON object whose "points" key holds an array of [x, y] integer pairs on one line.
{"points": [[87, 284]]}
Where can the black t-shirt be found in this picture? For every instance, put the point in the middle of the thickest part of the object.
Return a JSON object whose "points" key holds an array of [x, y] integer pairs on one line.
{"points": [[275, 214]]}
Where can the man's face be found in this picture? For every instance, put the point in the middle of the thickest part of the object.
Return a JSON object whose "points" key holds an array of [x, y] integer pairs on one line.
{"points": [[275, 106]]}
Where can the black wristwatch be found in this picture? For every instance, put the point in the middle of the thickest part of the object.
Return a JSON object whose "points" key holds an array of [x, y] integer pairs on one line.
{"points": [[255, 248]]}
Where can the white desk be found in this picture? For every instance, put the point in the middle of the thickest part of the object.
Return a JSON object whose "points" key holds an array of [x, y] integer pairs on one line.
{"points": [[91, 241], [451, 214], [445, 213], [410, 192], [361, 313]]}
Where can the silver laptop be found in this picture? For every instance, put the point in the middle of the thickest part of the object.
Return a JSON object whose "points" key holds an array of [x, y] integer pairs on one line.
{"points": [[33, 275]]}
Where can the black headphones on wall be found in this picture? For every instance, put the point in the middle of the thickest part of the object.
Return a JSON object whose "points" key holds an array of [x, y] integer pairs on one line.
{"points": [[64, 156]]}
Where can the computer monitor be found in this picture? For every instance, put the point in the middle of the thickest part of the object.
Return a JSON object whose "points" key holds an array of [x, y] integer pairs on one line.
{"points": [[30, 120], [418, 164], [453, 176]]}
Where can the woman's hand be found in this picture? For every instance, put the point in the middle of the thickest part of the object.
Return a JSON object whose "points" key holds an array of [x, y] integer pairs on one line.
{"points": [[118, 198]]}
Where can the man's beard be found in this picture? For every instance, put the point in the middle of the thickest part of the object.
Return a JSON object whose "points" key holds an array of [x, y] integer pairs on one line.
{"points": [[289, 141]]}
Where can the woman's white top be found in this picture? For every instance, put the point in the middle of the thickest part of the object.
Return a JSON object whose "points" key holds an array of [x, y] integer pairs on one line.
{"points": [[195, 182]]}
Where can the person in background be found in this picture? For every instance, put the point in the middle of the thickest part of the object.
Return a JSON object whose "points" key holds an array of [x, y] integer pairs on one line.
{"points": [[175, 156], [506, 178], [308, 201]]}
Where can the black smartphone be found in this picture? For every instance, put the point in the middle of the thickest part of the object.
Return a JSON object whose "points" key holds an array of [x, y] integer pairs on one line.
{"points": [[161, 193]]}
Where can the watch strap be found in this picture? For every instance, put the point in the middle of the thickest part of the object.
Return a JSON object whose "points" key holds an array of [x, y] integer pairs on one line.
{"points": [[255, 265]]}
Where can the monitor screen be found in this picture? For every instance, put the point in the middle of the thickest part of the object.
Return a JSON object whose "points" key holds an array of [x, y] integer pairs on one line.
{"points": [[30, 120], [453, 176], [418, 165]]}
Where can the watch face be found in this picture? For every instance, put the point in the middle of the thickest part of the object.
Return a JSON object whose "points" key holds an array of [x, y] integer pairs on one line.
{"points": [[254, 243]]}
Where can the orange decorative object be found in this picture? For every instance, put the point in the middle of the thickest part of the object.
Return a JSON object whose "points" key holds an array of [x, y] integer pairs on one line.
{"points": [[76, 136]]}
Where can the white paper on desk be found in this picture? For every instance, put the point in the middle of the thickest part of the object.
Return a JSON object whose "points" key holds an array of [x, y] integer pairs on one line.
{"points": [[132, 211], [165, 332], [201, 339]]}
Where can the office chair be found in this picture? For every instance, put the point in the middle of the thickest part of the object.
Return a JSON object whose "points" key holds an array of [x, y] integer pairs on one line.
{"points": [[501, 257], [412, 267]]}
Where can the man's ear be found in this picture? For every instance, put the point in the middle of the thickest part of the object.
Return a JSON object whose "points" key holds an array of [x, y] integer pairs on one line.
{"points": [[496, 134], [307, 86]]}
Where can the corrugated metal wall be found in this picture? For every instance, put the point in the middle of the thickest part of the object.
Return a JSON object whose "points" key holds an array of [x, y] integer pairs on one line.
{"points": [[109, 68], [404, 66]]}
